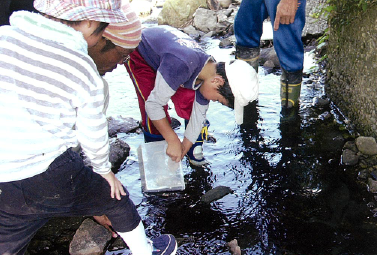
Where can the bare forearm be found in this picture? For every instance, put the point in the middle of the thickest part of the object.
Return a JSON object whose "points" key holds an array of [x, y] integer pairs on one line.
{"points": [[163, 126], [175, 148], [186, 145]]}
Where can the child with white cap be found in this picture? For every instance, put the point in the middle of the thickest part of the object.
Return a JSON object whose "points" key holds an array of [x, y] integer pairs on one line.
{"points": [[168, 64], [51, 100]]}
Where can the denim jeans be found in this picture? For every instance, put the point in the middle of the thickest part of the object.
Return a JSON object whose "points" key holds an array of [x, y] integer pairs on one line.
{"points": [[66, 188], [248, 29]]}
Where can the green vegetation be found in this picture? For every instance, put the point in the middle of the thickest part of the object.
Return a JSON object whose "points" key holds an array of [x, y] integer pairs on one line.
{"points": [[341, 13]]}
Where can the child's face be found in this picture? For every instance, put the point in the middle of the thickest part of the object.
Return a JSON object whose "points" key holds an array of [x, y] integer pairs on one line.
{"points": [[209, 89]]}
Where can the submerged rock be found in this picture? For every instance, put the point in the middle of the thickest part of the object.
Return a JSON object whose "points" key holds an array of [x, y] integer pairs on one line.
{"points": [[215, 194], [234, 248]]}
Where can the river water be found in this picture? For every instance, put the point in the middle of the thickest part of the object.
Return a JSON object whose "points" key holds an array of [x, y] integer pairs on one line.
{"points": [[291, 195]]}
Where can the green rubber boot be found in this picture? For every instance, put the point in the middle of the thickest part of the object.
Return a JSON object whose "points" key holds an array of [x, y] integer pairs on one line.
{"points": [[290, 88], [250, 55]]}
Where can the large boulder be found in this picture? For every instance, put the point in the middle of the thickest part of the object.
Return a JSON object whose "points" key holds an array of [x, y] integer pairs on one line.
{"points": [[213, 21], [177, 13], [90, 239]]}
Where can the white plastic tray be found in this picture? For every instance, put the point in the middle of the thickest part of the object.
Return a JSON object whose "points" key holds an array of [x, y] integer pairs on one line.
{"points": [[158, 172]]}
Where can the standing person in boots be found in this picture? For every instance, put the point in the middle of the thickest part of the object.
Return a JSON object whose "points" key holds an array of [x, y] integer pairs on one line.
{"points": [[52, 100], [168, 64], [288, 20]]}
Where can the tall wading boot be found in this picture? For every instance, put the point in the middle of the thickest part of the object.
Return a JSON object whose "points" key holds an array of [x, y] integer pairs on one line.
{"points": [[195, 153], [250, 55], [290, 89]]}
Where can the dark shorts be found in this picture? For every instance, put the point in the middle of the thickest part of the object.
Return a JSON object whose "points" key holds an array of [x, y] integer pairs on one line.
{"points": [[67, 188]]}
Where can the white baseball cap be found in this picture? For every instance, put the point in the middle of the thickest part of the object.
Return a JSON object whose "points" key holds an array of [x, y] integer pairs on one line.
{"points": [[243, 81]]}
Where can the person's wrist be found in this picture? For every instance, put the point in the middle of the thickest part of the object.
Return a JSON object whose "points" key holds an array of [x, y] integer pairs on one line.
{"points": [[172, 138]]}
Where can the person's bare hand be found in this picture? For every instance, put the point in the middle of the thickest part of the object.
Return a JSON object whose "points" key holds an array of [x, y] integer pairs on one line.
{"points": [[104, 221], [174, 150], [116, 186], [285, 13]]}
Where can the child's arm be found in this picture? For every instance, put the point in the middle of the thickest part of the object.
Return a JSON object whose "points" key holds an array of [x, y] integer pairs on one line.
{"points": [[175, 148], [197, 118], [159, 96], [186, 145]]}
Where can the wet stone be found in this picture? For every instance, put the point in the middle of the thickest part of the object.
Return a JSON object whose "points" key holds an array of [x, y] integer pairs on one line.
{"points": [[374, 174], [121, 124], [233, 247], [325, 116], [175, 124], [119, 151], [366, 145], [371, 160], [363, 175], [321, 102], [90, 239], [372, 185], [227, 42], [215, 194], [349, 158], [351, 145]]}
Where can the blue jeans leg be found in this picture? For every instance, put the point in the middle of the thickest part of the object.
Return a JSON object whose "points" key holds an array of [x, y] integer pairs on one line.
{"points": [[248, 23], [248, 28], [288, 38]]}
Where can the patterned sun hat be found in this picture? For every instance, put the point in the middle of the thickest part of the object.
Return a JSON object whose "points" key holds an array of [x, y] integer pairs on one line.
{"points": [[108, 11], [126, 34]]}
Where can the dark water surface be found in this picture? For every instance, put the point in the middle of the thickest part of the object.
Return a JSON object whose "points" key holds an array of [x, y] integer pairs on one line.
{"points": [[291, 193]]}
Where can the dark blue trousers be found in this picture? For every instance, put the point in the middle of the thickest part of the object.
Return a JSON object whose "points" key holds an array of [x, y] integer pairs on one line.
{"points": [[67, 188], [248, 28]]}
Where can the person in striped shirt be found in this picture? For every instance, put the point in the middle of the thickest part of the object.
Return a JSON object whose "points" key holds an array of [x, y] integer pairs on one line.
{"points": [[52, 100]]}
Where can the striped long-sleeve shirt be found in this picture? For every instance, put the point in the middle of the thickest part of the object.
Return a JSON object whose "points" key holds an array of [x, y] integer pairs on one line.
{"points": [[51, 97]]}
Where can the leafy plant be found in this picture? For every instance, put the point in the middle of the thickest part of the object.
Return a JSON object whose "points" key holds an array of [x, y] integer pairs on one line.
{"points": [[338, 15]]}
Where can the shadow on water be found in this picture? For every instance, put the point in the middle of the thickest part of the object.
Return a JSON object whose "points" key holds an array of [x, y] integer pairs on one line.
{"points": [[290, 194]]}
